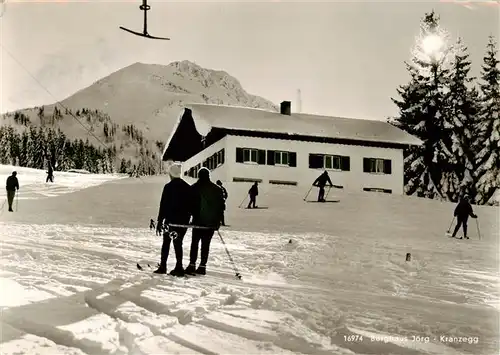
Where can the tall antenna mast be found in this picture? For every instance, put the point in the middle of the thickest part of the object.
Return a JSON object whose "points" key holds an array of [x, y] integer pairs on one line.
{"points": [[299, 101]]}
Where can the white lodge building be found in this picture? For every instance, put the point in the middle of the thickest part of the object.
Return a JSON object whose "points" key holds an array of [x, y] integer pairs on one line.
{"points": [[246, 145]]}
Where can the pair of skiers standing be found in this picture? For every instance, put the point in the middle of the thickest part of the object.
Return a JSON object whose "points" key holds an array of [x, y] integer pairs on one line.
{"points": [[204, 203]]}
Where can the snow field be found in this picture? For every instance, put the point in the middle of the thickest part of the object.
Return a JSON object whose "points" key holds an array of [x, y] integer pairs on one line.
{"points": [[73, 287], [32, 182]]}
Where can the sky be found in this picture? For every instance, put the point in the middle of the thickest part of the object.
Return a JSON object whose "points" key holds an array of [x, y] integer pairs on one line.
{"points": [[347, 58]]}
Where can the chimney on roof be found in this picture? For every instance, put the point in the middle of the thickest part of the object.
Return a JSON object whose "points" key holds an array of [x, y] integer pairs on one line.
{"points": [[286, 108]]}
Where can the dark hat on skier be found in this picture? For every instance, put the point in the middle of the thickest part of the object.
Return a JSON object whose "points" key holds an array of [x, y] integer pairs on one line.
{"points": [[218, 182], [14, 173], [204, 174]]}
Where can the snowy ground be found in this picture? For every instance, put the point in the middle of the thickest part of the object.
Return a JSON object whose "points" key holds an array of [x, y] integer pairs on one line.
{"points": [[70, 286], [32, 182]]}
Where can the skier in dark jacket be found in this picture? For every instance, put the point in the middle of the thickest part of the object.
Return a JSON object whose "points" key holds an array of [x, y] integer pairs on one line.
{"points": [[175, 208], [50, 173], [321, 182], [462, 213], [11, 185], [208, 207], [253, 193], [224, 196]]}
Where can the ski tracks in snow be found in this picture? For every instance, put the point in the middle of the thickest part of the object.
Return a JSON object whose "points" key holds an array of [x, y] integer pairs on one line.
{"points": [[75, 290]]}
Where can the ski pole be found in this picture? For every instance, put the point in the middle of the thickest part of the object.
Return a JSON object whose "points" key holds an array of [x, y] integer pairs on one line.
{"points": [[329, 188], [3, 205], [308, 192], [188, 226], [237, 274], [241, 204], [453, 220], [478, 231]]}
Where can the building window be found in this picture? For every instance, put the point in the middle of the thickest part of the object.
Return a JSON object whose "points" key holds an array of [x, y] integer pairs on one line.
{"points": [[251, 155], [214, 161], [220, 157], [377, 166], [329, 162], [281, 158], [275, 157]]}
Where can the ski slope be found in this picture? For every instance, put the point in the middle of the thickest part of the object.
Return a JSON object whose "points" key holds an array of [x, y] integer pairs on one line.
{"points": [[342, 286]]}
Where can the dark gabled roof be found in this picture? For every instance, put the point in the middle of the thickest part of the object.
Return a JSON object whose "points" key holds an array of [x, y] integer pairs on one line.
{"points": [[206, 117]]}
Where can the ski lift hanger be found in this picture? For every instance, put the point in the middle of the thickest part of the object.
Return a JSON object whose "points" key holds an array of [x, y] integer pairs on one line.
{"points": [[144, 7]]}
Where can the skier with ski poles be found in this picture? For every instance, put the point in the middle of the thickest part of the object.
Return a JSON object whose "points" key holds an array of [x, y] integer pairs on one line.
{"points": [[321, 182], [208, 207], [462, 213], [12, 184], [175, 208], [224, 196], [253, 193]]}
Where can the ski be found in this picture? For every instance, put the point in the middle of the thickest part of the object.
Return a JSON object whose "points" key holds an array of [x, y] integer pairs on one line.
{"points": [[143, 268], [329, 201]]}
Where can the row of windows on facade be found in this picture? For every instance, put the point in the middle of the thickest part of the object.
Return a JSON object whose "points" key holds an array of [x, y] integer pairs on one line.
{"points": [[211, 163], [316, 161], [285, 158]]}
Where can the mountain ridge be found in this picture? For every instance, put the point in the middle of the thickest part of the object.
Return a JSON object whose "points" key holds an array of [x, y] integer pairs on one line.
{"points": [[136, 107]]}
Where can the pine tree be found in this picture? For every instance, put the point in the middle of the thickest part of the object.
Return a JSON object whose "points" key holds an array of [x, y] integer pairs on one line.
{"points": [[24, 160], [489, 139], [422, 111], [4, 146], [463, 115]]}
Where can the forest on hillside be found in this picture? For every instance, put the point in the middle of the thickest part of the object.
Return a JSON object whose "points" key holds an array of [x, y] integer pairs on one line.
{"points": [[456, 115], [107, 148]]}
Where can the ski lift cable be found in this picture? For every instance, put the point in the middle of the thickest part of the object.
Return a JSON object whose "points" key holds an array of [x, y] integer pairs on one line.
{"points": [[57, 102]]}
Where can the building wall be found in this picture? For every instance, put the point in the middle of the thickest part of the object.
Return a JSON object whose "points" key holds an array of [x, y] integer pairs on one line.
{"points": [[219, 173], [355, 179]]}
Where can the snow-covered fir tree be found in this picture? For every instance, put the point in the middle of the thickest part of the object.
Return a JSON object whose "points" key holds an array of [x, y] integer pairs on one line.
{"points": [[462, 122], [422, 111], [489, 139]]}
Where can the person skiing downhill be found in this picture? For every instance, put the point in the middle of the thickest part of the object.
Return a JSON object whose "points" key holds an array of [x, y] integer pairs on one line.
{"points": [[175, 208], [321, 182], [11, 185], [208, 207], [253, 193], [224, 196], [462, 213]]}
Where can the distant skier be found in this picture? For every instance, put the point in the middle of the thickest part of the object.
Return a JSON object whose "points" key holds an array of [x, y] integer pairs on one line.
{"points": [[12, 185], [253, 193], [208, 207], [224, 196], [462, 212], [50, 173], [321, 182], [152, 224], [175, 208]]}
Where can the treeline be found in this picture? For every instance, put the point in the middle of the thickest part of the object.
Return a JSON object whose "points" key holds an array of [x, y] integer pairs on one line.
{"points": [[457, 117], [30, 145], [35, 148]]}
